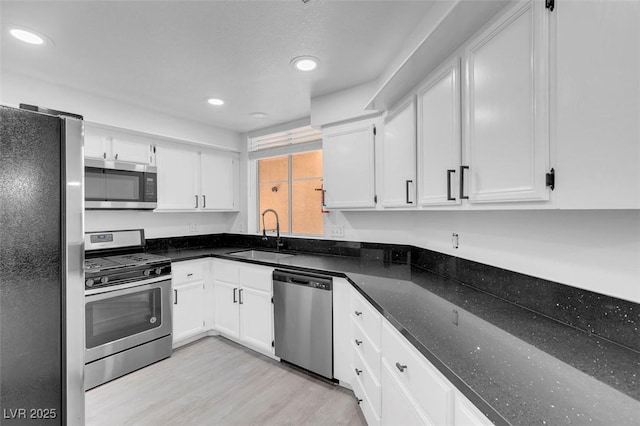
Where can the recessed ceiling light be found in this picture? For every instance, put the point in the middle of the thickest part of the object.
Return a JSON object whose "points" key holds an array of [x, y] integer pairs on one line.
{"points": [[259, 115], [215, 101], [305, 63], [26, 36]]}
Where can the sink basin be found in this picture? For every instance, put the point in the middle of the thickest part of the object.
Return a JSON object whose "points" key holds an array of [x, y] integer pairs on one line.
{"points": [[260, 255]]}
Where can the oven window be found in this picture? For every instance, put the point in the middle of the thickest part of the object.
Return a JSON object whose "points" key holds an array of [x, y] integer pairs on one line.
{"points": [[118, 317]]}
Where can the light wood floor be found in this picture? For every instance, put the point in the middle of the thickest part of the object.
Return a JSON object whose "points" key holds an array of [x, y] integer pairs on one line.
{"points": [[217, 382]]}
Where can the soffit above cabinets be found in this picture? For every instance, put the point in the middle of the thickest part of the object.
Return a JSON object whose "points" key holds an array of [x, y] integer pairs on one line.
{"points": [[168, 56]]}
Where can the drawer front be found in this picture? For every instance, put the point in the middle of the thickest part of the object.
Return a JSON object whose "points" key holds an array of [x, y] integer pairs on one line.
{"points": [[226, 271], [370, 416], [184, 272], [369, 384], [365, 347], [467, 414], [366, 315], [428, 387], [256, 277]]}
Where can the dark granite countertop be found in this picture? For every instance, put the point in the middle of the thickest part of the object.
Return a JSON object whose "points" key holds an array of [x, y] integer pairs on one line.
{"points": [[516, 365]]}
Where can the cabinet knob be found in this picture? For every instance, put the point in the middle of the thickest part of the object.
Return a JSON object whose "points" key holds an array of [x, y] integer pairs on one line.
{"points": [[359, 401], [358, 342], [401, 367], [358, 313], [358, 372]]}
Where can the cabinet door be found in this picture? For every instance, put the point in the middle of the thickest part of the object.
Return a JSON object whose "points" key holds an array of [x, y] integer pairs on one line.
{"points": [[256, 319], [397, 405], [177, 179], [226, 305], [399, 157], [188, 310], [341, 333], [348, 165], [133, 152], [218, 181], [96, 146], [508, 107], [466, 414], [439, 137]]}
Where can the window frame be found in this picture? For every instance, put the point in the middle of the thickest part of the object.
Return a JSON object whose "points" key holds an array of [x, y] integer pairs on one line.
{"points": [[254, 190]]}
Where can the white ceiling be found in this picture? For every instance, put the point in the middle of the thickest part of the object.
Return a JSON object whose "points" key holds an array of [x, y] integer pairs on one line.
{"points": [[169, 55]]}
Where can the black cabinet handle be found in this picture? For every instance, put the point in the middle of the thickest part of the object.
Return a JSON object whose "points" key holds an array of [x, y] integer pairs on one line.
{"points": [[462, 169], [358, 313], [449, 197], [240, 296], [235, 300], [358, 342], [204, 201], [407, 182], [359, 400], [175, 299], [116, 156], [401, 367], [358, 372], [196, 201]]}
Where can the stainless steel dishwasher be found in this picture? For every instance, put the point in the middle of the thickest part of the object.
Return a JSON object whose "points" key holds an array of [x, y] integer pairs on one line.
{"points": [[303, 307]]}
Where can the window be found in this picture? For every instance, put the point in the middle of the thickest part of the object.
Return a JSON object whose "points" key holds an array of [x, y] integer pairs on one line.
{"points": [[292, 186]]}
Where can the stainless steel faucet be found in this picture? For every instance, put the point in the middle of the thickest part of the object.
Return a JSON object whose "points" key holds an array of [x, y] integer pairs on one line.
{"points": [[264, 228]]}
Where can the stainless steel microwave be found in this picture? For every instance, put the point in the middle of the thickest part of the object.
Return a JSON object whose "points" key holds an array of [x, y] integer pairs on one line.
{"points": [[118, 185]]}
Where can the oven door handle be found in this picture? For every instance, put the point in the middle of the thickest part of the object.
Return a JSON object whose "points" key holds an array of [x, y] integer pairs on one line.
{"points": [[110, 289]]}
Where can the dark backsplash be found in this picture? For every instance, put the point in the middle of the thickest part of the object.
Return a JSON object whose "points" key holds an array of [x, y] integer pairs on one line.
{"points": [[614, 319]]}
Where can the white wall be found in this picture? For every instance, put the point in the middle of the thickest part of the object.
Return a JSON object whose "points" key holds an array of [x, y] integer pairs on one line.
{"points": [[16, 89], [159, 224], [593, 250]]}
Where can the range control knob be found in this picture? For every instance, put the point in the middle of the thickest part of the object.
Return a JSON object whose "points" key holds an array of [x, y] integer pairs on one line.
{"points": [[147, 272], [104, 280], [158, 271], [89, 282]]}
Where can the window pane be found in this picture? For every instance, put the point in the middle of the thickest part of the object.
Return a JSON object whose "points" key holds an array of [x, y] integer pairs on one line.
{"points": [[274, 196], [273, 169], [307, 207], [306, 165]]}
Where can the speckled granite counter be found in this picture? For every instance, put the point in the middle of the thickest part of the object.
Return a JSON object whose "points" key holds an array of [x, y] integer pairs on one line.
{"points": [[517, 366]]}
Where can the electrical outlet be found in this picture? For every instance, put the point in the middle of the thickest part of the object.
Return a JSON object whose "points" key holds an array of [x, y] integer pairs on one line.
{"points": [[336, 231], [193, 227], [454, 240]]}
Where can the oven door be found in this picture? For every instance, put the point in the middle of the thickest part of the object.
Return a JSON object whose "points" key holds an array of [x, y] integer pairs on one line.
{"points": [[124, 316]]}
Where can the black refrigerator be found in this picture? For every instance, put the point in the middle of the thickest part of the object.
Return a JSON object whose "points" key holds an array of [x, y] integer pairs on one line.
{"points": [[41, 268]]}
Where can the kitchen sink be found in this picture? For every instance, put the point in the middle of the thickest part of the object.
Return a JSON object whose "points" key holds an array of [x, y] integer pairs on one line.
{"points": [[260, 255]]}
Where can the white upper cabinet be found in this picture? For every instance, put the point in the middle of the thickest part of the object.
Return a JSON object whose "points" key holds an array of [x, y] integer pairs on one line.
{"points": [[196, 181], [439, 137], [114, 144], [218, 172], [507, 104], [177, 178], [349, 165], [598, 104], [132, 152], [399, 157]]}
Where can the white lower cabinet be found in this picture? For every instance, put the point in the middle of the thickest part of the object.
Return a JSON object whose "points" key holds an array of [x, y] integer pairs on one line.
{"points": [[190, 299], [432, 394], [467, 414], [242, 303], [398, 406], [393, 382]]}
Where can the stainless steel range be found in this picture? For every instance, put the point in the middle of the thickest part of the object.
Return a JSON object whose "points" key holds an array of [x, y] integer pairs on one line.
{"points": [[127, 305]]}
